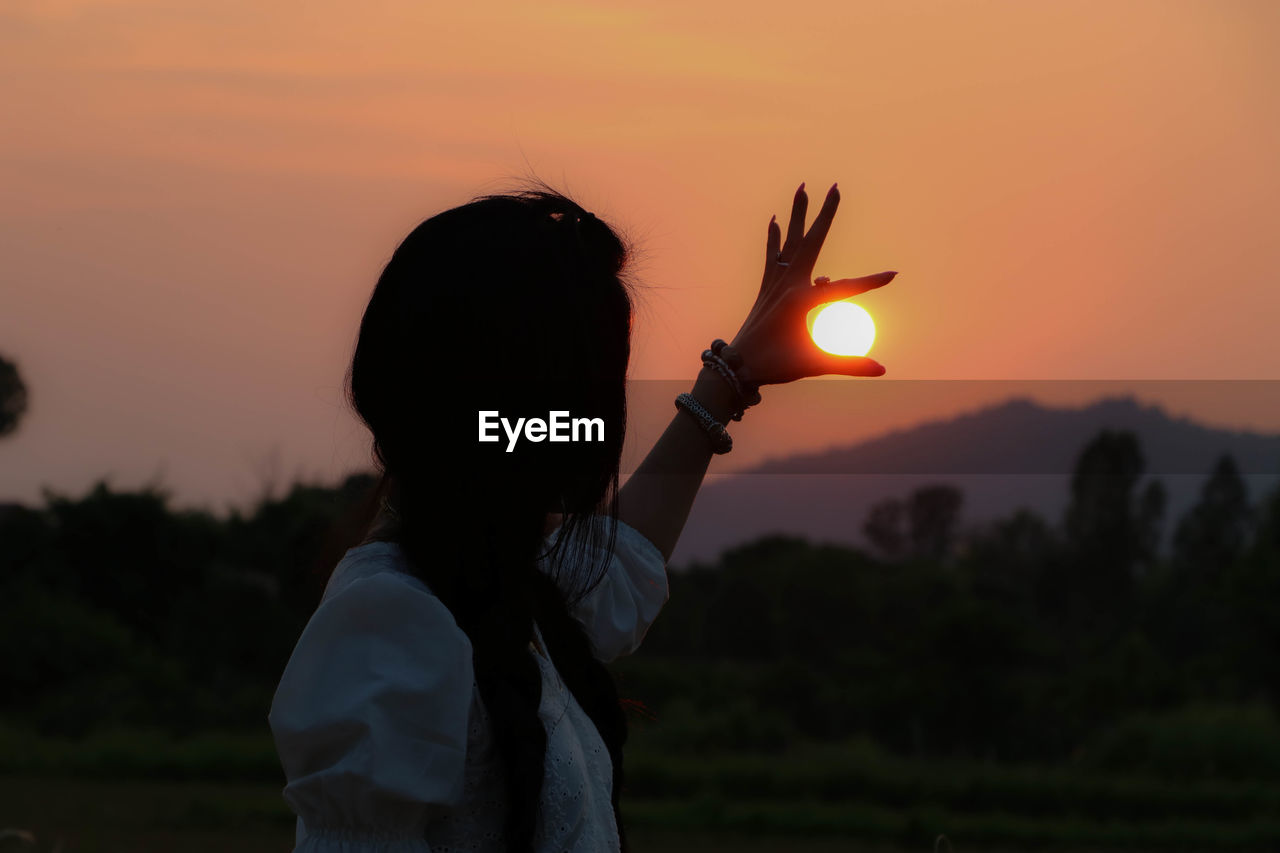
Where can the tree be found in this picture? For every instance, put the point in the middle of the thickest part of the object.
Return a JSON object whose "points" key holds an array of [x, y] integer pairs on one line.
{"points": [[932, 513], [1005, 559], [884, 527], [1110, 531], [1104, 518], [1215, 531], [1100, 516], [13, 397], [1198, 606]]}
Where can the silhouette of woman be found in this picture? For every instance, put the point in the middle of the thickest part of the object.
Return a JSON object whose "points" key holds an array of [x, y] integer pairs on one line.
{"points": [[450, 691]]}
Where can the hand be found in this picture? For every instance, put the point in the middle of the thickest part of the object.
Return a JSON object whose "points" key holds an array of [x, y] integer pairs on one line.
{"points": [[774, 341]]}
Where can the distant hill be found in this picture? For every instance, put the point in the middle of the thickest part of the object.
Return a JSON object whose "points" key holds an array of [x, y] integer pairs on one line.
{"points": [[1015, 454]]}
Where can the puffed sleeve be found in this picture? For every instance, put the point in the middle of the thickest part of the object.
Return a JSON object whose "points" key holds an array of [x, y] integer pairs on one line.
{"points": [[619, 611], [370, 717]]}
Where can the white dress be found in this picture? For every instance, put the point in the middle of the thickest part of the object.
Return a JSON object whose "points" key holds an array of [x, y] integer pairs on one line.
{"points": [[384, 739]]}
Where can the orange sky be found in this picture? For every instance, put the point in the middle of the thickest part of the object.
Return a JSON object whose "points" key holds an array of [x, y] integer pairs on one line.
{"points": [[197, 197]]}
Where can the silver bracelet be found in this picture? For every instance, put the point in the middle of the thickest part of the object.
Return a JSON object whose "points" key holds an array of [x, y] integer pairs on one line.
{"points": [[721, 442], [726, 361]]}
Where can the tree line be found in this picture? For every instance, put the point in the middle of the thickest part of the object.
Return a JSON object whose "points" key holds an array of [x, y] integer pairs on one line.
{"points": [[1018, 640]]}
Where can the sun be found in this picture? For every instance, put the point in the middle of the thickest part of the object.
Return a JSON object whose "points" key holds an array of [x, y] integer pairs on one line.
{"points": [[843, 328]]}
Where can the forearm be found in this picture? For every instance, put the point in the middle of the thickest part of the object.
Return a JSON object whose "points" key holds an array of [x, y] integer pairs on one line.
{"points": [[657, 498]]}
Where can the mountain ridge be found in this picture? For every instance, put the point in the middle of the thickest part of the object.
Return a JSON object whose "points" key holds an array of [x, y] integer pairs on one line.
{"points": [[1008, 455]]}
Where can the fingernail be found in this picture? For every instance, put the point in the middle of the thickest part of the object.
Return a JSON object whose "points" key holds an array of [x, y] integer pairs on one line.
{"points": [[891, 273], [773, 219], [801, 187]]}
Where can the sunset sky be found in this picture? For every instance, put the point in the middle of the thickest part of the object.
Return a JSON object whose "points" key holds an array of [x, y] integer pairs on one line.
{"points": [[198, 196]]}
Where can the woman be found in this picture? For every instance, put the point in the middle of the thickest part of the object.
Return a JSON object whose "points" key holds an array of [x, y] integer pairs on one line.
{"points": [[450, 691]]}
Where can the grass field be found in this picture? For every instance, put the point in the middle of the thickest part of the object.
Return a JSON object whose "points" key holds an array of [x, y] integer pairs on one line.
{"points": [[140, 816], [145, 791], [102, 816]]}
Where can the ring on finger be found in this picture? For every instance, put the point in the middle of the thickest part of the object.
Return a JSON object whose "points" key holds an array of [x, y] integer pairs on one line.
{"points": [[779, 261]]}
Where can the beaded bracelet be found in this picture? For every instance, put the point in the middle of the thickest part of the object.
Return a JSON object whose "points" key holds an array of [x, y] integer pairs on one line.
{"points": [[726, 361], [721, 442]]}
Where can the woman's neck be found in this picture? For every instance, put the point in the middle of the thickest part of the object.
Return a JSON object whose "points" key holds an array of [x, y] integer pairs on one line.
{"points": [[384, 528]]}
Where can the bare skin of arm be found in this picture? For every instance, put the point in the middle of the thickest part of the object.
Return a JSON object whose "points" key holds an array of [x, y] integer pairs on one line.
{"points": [[776, 348], [657, 498]]}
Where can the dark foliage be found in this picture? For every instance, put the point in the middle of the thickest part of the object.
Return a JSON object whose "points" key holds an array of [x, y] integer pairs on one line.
{"points": [[1019, 640]]}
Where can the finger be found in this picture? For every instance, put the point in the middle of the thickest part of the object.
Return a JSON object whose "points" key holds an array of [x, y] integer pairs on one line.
{"points": [[849, 365], [795, 228], [770, 255], [834, 291], [771, 245], [806, 254]]}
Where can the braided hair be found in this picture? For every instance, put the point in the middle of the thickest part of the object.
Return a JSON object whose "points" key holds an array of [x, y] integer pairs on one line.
{"points": [[515, 303]]}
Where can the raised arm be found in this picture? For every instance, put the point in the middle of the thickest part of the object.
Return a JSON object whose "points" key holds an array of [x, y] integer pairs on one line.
{"points": [[775, 346]]}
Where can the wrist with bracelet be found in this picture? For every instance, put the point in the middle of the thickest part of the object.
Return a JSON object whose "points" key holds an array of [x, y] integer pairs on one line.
{"points": [[726, 362]]}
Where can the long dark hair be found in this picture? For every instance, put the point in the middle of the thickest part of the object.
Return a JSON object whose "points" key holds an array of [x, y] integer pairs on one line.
{"points": [[515, 303]]}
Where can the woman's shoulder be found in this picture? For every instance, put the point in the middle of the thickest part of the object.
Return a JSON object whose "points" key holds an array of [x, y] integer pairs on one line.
{"points": [[369, 559], [375, 607], [377, 632], [370, 717]]}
